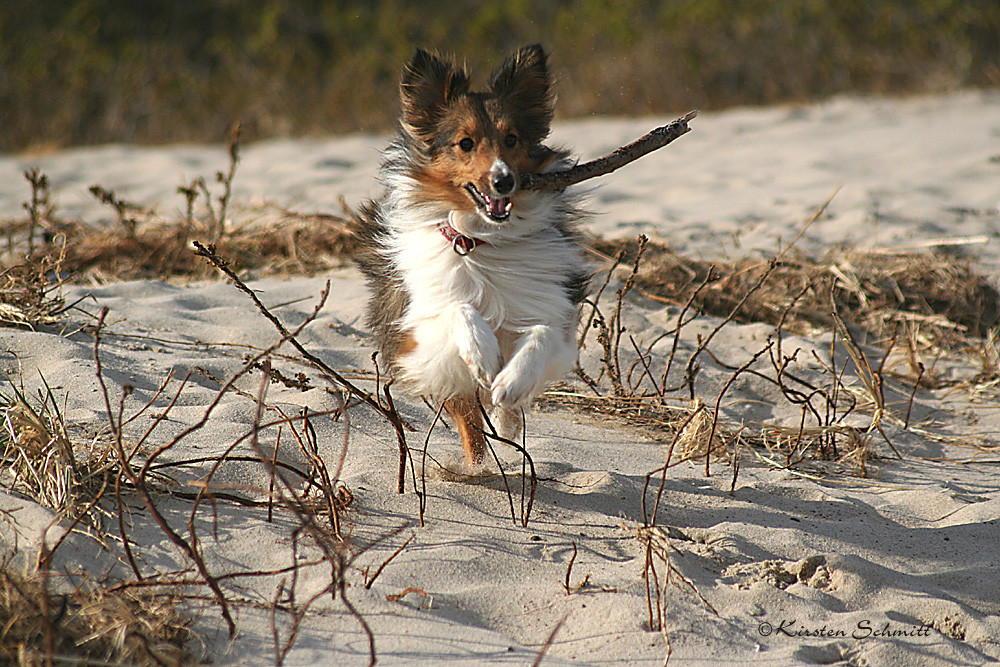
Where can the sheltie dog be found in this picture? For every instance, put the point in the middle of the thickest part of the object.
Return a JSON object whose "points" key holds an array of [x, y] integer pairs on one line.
{"points": [[476, 284]]}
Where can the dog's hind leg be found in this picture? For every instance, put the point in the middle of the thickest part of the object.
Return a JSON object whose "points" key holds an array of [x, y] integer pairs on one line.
{"points": [[464, 411]]}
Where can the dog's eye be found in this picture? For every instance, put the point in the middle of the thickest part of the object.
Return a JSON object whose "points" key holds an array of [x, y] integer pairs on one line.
{"points": [[466, 144], [510, 140]]}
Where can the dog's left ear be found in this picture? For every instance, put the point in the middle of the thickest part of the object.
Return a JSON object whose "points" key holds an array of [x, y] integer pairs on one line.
{"points": [[524, 88]]}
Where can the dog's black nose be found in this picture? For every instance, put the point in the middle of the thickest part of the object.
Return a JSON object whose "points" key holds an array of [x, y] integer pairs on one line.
{"points": [[503, 182]]}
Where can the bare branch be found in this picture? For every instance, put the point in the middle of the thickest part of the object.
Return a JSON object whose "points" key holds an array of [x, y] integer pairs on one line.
{"points": [[658, 138]]}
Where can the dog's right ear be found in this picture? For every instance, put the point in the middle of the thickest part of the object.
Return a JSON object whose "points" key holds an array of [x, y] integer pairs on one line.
{"points": [[428, 85]]}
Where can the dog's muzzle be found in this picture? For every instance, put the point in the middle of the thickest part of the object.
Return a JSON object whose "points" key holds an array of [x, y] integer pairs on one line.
{"points": [[496, 205]]}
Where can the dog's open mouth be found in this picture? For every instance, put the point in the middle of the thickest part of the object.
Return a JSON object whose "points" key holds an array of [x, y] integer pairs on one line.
{"points": [[496, 209]]}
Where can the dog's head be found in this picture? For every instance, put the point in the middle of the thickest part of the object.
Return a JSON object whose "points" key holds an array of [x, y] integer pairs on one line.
{"points": [[470, 147]]}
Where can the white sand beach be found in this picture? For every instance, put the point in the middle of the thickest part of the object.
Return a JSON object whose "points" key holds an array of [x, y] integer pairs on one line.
{"points": [[811, 563]]}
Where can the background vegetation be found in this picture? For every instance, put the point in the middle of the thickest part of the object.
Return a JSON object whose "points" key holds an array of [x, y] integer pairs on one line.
{"points": [[91, 71]]}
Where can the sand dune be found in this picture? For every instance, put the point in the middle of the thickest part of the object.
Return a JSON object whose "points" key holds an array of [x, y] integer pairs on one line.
{"points": [[808, 564]]}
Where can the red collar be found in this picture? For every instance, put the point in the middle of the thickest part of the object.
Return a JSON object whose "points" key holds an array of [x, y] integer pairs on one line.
{"points": [[460, 243]]}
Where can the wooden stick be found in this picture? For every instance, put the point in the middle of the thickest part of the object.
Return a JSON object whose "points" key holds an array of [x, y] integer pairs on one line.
{"points": [[658, 138]]}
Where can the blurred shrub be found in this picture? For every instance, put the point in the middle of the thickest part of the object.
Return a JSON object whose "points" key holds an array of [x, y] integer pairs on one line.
{"points": [[88, 71]]}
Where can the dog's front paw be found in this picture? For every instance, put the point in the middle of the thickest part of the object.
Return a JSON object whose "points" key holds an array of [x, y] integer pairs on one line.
{"points": [[483, 363], [515, 385], [477, 346]]}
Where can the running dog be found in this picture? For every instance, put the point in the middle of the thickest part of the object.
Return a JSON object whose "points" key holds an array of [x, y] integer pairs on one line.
{"points": [[476, 284]]}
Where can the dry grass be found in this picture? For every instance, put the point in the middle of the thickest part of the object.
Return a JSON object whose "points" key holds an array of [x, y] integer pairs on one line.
{"points": [[271, 242], [92, 621], [140, 244], [30, 277], [39, 461], [88, 624], [874, 289], [662, 421], [30, 294]]}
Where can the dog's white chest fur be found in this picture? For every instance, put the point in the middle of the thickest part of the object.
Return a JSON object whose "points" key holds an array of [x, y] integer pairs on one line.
{"points": [[499, 319]]}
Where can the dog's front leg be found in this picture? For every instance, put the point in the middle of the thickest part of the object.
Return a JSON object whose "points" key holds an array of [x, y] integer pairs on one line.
{"points": [[542, 352], [477, 344]]}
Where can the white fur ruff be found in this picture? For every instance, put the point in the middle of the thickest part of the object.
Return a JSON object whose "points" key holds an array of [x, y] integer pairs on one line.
{"points": [[498, 321]]}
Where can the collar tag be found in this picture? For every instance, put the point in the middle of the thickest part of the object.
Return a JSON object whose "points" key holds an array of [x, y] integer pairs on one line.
{"points": [[460, 243]]}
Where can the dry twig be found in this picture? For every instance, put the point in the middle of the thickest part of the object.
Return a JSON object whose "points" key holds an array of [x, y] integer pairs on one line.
{"points": [[654, 140]]}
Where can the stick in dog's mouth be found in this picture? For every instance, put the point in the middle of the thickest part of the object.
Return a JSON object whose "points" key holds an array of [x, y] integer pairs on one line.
{"points": [[496, 209]]}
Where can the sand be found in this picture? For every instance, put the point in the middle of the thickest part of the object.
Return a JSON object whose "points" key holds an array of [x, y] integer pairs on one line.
{"points": [[813, 564]]}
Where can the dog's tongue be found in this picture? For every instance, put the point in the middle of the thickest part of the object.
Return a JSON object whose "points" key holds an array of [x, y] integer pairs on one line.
{"points": [[499, 206]]}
